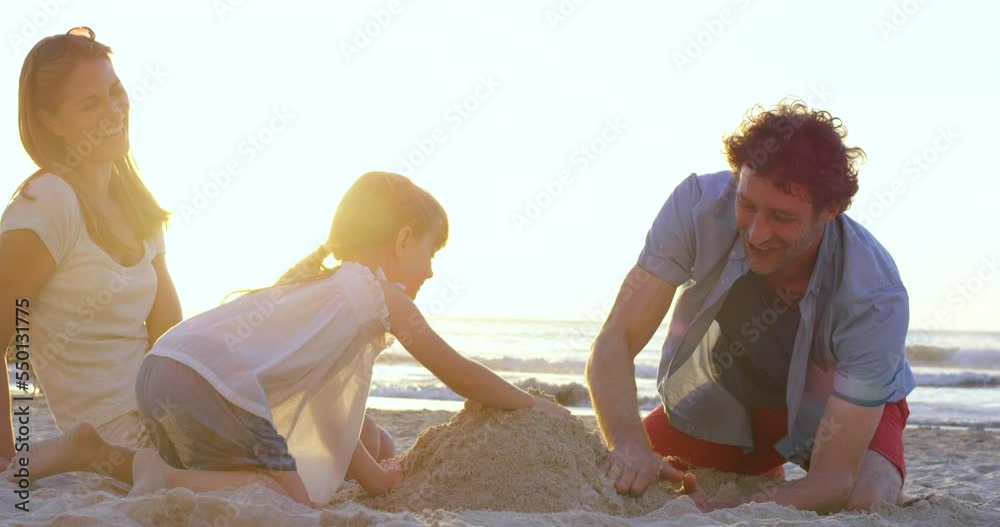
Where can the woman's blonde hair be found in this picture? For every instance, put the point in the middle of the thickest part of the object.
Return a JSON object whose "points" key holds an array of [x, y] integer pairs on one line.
{"points": [[44, 73], [369, 216]]}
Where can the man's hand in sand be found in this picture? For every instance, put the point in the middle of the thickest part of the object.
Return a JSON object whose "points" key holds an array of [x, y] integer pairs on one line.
{"points": [[636, 468]]}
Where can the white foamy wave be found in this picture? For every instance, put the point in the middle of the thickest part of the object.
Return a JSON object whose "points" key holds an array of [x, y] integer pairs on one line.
{"points": [[953, 423], [523, 365], [439, 393], [960, 379]]}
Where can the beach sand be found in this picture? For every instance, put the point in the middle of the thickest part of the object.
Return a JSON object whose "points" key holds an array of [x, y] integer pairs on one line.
{"points": [[518, 461]]}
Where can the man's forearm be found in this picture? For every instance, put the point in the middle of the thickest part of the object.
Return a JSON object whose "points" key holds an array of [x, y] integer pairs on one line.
{"points": [[816, 493], [611, 377]]}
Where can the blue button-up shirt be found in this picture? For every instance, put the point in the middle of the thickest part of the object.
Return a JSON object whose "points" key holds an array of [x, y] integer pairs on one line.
{"points": [[850, 342]]}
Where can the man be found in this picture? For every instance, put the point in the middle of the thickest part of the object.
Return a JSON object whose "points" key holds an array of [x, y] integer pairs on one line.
{"points": [[787, 340]]}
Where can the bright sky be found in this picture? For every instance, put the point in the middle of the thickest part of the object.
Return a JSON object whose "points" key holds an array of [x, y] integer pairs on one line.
{"points": [[553, 131]]}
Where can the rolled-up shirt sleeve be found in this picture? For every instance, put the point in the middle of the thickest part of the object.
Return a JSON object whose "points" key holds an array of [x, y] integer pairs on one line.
{"points": [[870, 347], [669, 252]]}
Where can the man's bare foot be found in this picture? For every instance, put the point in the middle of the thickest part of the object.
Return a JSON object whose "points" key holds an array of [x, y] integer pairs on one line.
{"points": [[75, 450], [149, 472]]}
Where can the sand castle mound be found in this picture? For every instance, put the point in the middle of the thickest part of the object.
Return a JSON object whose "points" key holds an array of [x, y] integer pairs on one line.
{"points": [[525, 461]]}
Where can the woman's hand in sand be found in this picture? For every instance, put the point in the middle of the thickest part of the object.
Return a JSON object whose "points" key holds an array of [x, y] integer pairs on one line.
{"points": [[634, 469], [553, 408]]}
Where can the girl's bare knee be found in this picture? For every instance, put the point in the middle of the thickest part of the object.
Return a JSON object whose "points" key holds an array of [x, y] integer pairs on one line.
{"points": [[387, 447]]}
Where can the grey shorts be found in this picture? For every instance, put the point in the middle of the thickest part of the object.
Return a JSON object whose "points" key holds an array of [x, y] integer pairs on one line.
{"points": [[194, 427]]}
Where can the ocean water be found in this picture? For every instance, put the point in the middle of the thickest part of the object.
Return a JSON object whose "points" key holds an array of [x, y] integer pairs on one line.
{"points": [[958, 373]]}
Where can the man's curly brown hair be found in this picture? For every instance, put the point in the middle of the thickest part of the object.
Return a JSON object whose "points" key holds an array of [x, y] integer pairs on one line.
{"points": [[790, 143]]}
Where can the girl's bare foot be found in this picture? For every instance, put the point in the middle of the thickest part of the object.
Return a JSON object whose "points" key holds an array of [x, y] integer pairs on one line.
{"points": [[149, 472]]}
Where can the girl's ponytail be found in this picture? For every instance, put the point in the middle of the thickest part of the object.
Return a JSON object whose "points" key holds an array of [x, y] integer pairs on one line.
{"points": [[306, 270], [309, 268]]}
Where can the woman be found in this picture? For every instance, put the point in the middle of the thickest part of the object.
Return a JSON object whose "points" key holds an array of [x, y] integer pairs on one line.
{"points": [[82, 241]]}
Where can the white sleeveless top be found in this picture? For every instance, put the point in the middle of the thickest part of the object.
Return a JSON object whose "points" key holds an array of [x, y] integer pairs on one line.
{"points": [[300, 356], [88, 333]]}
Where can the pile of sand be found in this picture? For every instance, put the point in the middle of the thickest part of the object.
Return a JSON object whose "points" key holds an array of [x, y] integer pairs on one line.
{"points": [[525, 461]]}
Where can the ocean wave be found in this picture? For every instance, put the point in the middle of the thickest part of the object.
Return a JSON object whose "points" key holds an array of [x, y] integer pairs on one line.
{"points": [[953, 423], [979, 358], [566, 394], [918, 355], [522, 365], [961, 379]]}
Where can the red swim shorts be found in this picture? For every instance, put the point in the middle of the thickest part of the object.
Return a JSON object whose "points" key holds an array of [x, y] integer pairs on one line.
{"points": [[769, 426]]}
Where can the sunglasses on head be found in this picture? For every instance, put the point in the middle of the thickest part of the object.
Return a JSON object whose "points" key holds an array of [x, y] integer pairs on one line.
{"points": [[82, 31]]}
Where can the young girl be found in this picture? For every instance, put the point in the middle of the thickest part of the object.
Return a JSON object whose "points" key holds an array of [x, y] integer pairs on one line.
{"points": [[272, 387]]}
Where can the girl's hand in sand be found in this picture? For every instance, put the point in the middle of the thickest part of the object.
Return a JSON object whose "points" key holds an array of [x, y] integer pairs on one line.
{"points": [[553, 408], [636, 468], [393, 476]]}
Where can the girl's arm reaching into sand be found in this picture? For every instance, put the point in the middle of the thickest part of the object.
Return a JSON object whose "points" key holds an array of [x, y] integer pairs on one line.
{"points": [[466, 377], [372, 477]]}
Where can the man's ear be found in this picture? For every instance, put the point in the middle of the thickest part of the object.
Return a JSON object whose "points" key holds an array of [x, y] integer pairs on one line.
{"points": [[403, 239], [829, 213]]}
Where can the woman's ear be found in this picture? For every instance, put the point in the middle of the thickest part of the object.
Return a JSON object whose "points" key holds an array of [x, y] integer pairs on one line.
{"points": [[403, 239], [51, 122]]}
